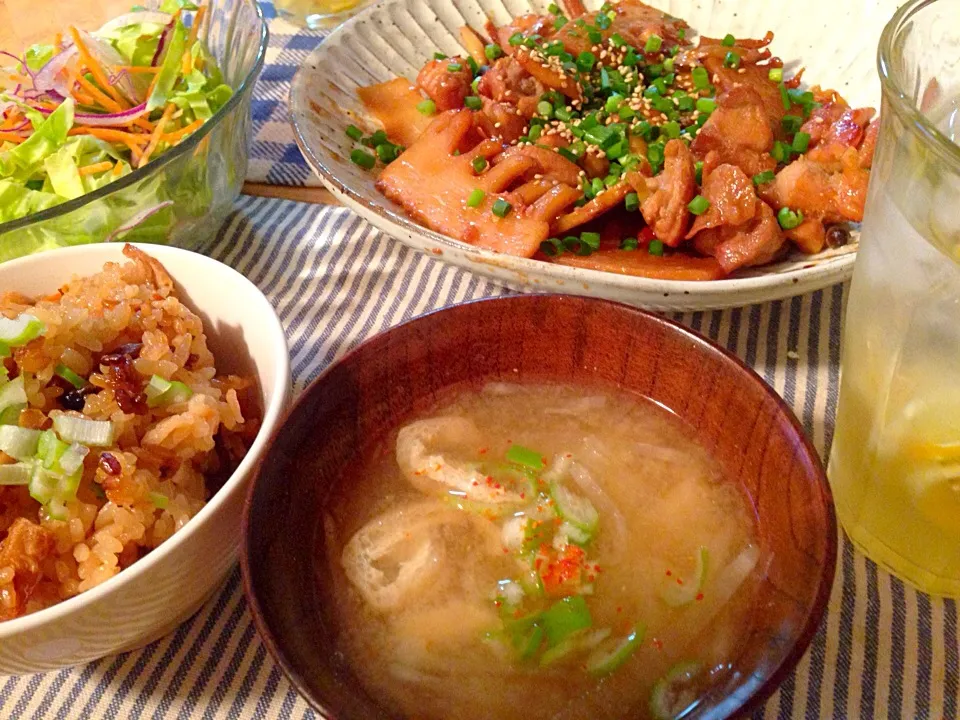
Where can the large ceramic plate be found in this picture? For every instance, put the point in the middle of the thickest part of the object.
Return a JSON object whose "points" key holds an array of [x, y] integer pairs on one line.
{"points": [[835, 40]]}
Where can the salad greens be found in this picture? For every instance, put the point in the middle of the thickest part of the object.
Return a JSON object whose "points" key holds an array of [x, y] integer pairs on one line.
{"points": [[91, 108]]}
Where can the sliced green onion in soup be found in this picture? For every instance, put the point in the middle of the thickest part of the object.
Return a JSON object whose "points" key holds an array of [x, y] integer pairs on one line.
{"points": [[576, 510], [566, 617], [19, 443], [97, 433], [606, 659], [573, 646], [674, 692], [677, 592], [21, 330], [520, 455]]}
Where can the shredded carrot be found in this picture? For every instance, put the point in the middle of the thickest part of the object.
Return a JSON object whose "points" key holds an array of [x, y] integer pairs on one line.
{"points": [[195, 28], [11, 137], [138, 69], [117, 169], [95, 92], [46, 105], [185, 64], [110, 134], [179, 134], [84, 99], [58, 39], [96, 167], [157, 134], [95, 68]]}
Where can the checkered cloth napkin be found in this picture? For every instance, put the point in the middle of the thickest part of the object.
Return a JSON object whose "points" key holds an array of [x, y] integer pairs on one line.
{"points": [[274, 156]]}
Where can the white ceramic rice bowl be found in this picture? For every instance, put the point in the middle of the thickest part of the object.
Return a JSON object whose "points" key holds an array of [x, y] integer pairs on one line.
{"points": [[835, 41], [161, 590]]}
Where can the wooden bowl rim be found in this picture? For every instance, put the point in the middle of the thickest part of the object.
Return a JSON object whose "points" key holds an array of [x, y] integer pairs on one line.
{"points": [[817, 608]]}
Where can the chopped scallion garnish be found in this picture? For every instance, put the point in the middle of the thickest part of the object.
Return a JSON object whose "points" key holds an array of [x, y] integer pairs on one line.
{"points": [[654, 43], [363, 159], [728, 40], [632, 202], [492, 52], [655, 247], [699, 205], [472, 102], [475, 199], [501, 208], [789, 219], [354, 133], [765, 177], [427, 107], [731, 60]]}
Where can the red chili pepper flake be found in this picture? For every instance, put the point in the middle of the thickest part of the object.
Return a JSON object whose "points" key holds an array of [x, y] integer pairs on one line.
{"points": [[506, 551], [679, 581], [658, 643], [543, 459], [483, 451], [497, 603], [669, 573], [699, 596], [591, 578], [569, 455], [523, 495], [475, 483], [619, 609]]}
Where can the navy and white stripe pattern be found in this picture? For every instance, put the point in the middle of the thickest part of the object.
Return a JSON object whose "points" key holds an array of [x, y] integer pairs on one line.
{"points": [[883, 651], [274, 156]]}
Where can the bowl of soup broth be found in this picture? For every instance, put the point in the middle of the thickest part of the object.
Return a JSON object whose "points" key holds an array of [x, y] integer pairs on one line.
{"points": [[538, 507]]}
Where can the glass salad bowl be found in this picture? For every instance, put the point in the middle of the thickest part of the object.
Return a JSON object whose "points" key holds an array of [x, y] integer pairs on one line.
{"points": [[184, 194]]}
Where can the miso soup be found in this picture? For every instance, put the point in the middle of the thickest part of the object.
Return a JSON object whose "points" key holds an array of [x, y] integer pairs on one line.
{"points": [[526, 552]]}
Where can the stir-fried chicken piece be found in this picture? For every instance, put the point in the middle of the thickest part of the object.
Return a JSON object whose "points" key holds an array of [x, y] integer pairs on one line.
{"points": [[836, 123], [22, 552], [738, 228], [637, 22], [447, 88], [828, 186], [738, 131], [549, 72], [665, 210], [733, 200], [507, 82], [755, 243]]}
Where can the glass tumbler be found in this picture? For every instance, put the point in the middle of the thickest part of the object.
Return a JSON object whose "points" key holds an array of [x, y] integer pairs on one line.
{"points": [[320, 14], [895, 461]]}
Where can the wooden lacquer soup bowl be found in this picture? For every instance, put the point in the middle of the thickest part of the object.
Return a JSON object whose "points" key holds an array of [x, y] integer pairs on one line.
{"points": [[401, 373]]}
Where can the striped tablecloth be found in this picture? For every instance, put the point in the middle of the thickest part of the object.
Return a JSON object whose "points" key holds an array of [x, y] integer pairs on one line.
{"points": [[883, 650]]}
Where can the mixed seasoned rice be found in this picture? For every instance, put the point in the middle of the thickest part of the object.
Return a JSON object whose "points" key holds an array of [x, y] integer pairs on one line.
{"points": [[114, 429]]}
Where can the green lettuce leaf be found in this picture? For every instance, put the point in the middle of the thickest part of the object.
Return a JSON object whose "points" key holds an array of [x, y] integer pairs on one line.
{"points": [[170, 69], [17, 201], [38, 55], [137, 43], [47, 137], [171, 6]]}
